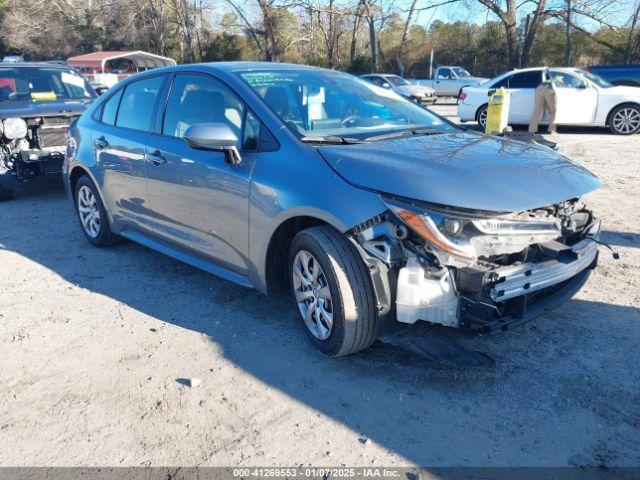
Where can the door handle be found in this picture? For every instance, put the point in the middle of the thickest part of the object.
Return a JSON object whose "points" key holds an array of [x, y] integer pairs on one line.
{"points": [[101, 143], [156, 158]]}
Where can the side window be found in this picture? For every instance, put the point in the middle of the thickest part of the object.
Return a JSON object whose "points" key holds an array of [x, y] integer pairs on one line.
{"points": [[376, 80], [201, 99], [136, 106], [444, 74], [110, 108], [250, 132], [526, 79], [565, 80]]}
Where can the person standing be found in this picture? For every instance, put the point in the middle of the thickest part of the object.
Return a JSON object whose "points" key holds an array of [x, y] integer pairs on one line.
{"points": [[545, 99]]}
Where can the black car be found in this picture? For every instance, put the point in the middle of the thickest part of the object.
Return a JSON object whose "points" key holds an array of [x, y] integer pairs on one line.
{"points": [[38, 102]]}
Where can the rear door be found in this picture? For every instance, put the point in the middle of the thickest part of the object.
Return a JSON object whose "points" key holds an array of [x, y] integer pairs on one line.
{"points": [[577, 100], [522, 86], [119, 149], [201, 202]]}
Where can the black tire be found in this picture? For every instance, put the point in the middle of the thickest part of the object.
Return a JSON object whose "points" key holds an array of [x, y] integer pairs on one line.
{"points": [[105, 237], [482, 111], [6, 194], [620, 128], [355, 323]]}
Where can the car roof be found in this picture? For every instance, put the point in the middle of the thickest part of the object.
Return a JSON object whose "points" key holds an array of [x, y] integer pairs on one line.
{"points": [[34, 64], [380, 75], [254, 66], [532, 69], [233, 67]]}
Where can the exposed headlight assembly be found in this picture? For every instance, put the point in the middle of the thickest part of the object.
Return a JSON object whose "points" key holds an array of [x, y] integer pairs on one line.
{"points": [[459, 239], [14, 128]]}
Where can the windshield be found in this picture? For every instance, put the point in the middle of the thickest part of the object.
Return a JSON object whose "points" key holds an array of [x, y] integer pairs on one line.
{"points": [[397, 81], [315, 103], [37, 84], [461, 72], [599, 81]]}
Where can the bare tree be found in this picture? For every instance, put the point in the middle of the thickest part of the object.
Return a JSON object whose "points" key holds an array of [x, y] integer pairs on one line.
{"points": [[508, 16], [354, 32], [567, 34], [595, 11], [633, 36]]}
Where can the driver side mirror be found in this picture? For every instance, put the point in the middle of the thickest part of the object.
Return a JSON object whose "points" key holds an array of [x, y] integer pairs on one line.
{"points": [[386, 85], [217, 137], [491, 92]]}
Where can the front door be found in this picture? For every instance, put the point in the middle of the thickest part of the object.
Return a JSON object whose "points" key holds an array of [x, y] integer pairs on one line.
{"points": [[577, 100], [200, 201]]}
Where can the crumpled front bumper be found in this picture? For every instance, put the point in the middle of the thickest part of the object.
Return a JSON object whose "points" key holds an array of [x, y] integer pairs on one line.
{"points": [[513, 295], [517, 280]]}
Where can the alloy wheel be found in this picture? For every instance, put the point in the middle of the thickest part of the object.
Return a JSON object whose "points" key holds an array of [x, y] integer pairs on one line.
{"points": [[482, 117], [89, 211], [626, 120], [313, 295]]}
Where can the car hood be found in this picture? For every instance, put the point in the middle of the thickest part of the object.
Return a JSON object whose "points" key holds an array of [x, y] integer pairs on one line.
{"points": [[463, 169], [413, 89], [29, 109]]}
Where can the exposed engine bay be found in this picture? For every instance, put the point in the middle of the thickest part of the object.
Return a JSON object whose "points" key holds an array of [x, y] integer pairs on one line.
{"points": [[481, 271], [33, 147]]}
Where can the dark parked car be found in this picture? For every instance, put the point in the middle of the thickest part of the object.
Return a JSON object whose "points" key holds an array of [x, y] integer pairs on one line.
{"points": [[38, 102], [368, 207], [626, 75]]}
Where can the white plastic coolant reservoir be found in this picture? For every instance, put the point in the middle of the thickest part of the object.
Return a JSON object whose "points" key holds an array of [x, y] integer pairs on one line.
{"points": [[425, 298]]}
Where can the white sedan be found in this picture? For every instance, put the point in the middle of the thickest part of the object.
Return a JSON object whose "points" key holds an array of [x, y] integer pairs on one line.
{"points": [[418, 93], [583, 99]]}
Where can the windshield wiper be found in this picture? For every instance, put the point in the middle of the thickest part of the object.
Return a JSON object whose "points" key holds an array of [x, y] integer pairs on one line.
{"points": [[406, 133], [331, 139]]}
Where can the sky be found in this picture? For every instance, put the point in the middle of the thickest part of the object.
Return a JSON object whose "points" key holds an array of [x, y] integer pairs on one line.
{"points": [[476, 13]]}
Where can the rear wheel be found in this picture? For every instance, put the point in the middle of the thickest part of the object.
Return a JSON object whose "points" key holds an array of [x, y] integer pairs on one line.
{"points": [[332, 289], [625, 120], [481, 116], [92, 215]]}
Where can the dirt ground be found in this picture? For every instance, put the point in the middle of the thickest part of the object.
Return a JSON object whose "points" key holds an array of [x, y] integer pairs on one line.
{"points": [[95, 344]]}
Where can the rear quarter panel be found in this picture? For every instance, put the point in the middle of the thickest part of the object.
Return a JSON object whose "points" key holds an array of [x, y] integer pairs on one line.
{"points": [[608, 100]]}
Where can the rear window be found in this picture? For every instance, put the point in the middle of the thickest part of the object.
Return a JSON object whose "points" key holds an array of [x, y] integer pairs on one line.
{"points": [[136, 106], [39, 84], [110, 108]]}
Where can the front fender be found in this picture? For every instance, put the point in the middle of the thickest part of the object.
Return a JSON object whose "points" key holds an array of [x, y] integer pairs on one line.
{"points": [[285, 186]]}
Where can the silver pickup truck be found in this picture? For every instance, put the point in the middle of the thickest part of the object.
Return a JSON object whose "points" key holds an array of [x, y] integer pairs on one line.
{"points": [[448, 81]]}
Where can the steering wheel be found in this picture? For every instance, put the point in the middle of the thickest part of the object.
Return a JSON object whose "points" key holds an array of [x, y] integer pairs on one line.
{"points": [[350, 119]]}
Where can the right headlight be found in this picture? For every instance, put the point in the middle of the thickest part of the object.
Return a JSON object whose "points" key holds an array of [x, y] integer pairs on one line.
{"points": [[460, 238], [14, 128]]}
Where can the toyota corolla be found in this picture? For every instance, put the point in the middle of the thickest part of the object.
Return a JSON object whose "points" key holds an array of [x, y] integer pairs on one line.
{"points": [[371, 209]]}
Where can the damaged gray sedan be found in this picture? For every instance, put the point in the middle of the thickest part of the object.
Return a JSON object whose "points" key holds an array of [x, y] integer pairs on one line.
{"points": [[372, 210]]}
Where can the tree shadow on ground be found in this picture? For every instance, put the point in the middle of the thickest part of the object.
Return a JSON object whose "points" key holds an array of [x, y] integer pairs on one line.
{"points": [[426, 412]]}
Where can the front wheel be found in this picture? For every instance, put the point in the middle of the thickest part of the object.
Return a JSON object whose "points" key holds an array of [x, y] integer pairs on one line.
{"points": [[332, 289], [625, 120], [481, 117]]}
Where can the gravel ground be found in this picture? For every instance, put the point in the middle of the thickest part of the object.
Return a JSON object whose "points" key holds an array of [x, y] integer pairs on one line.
{"points": [[95, 347]]}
